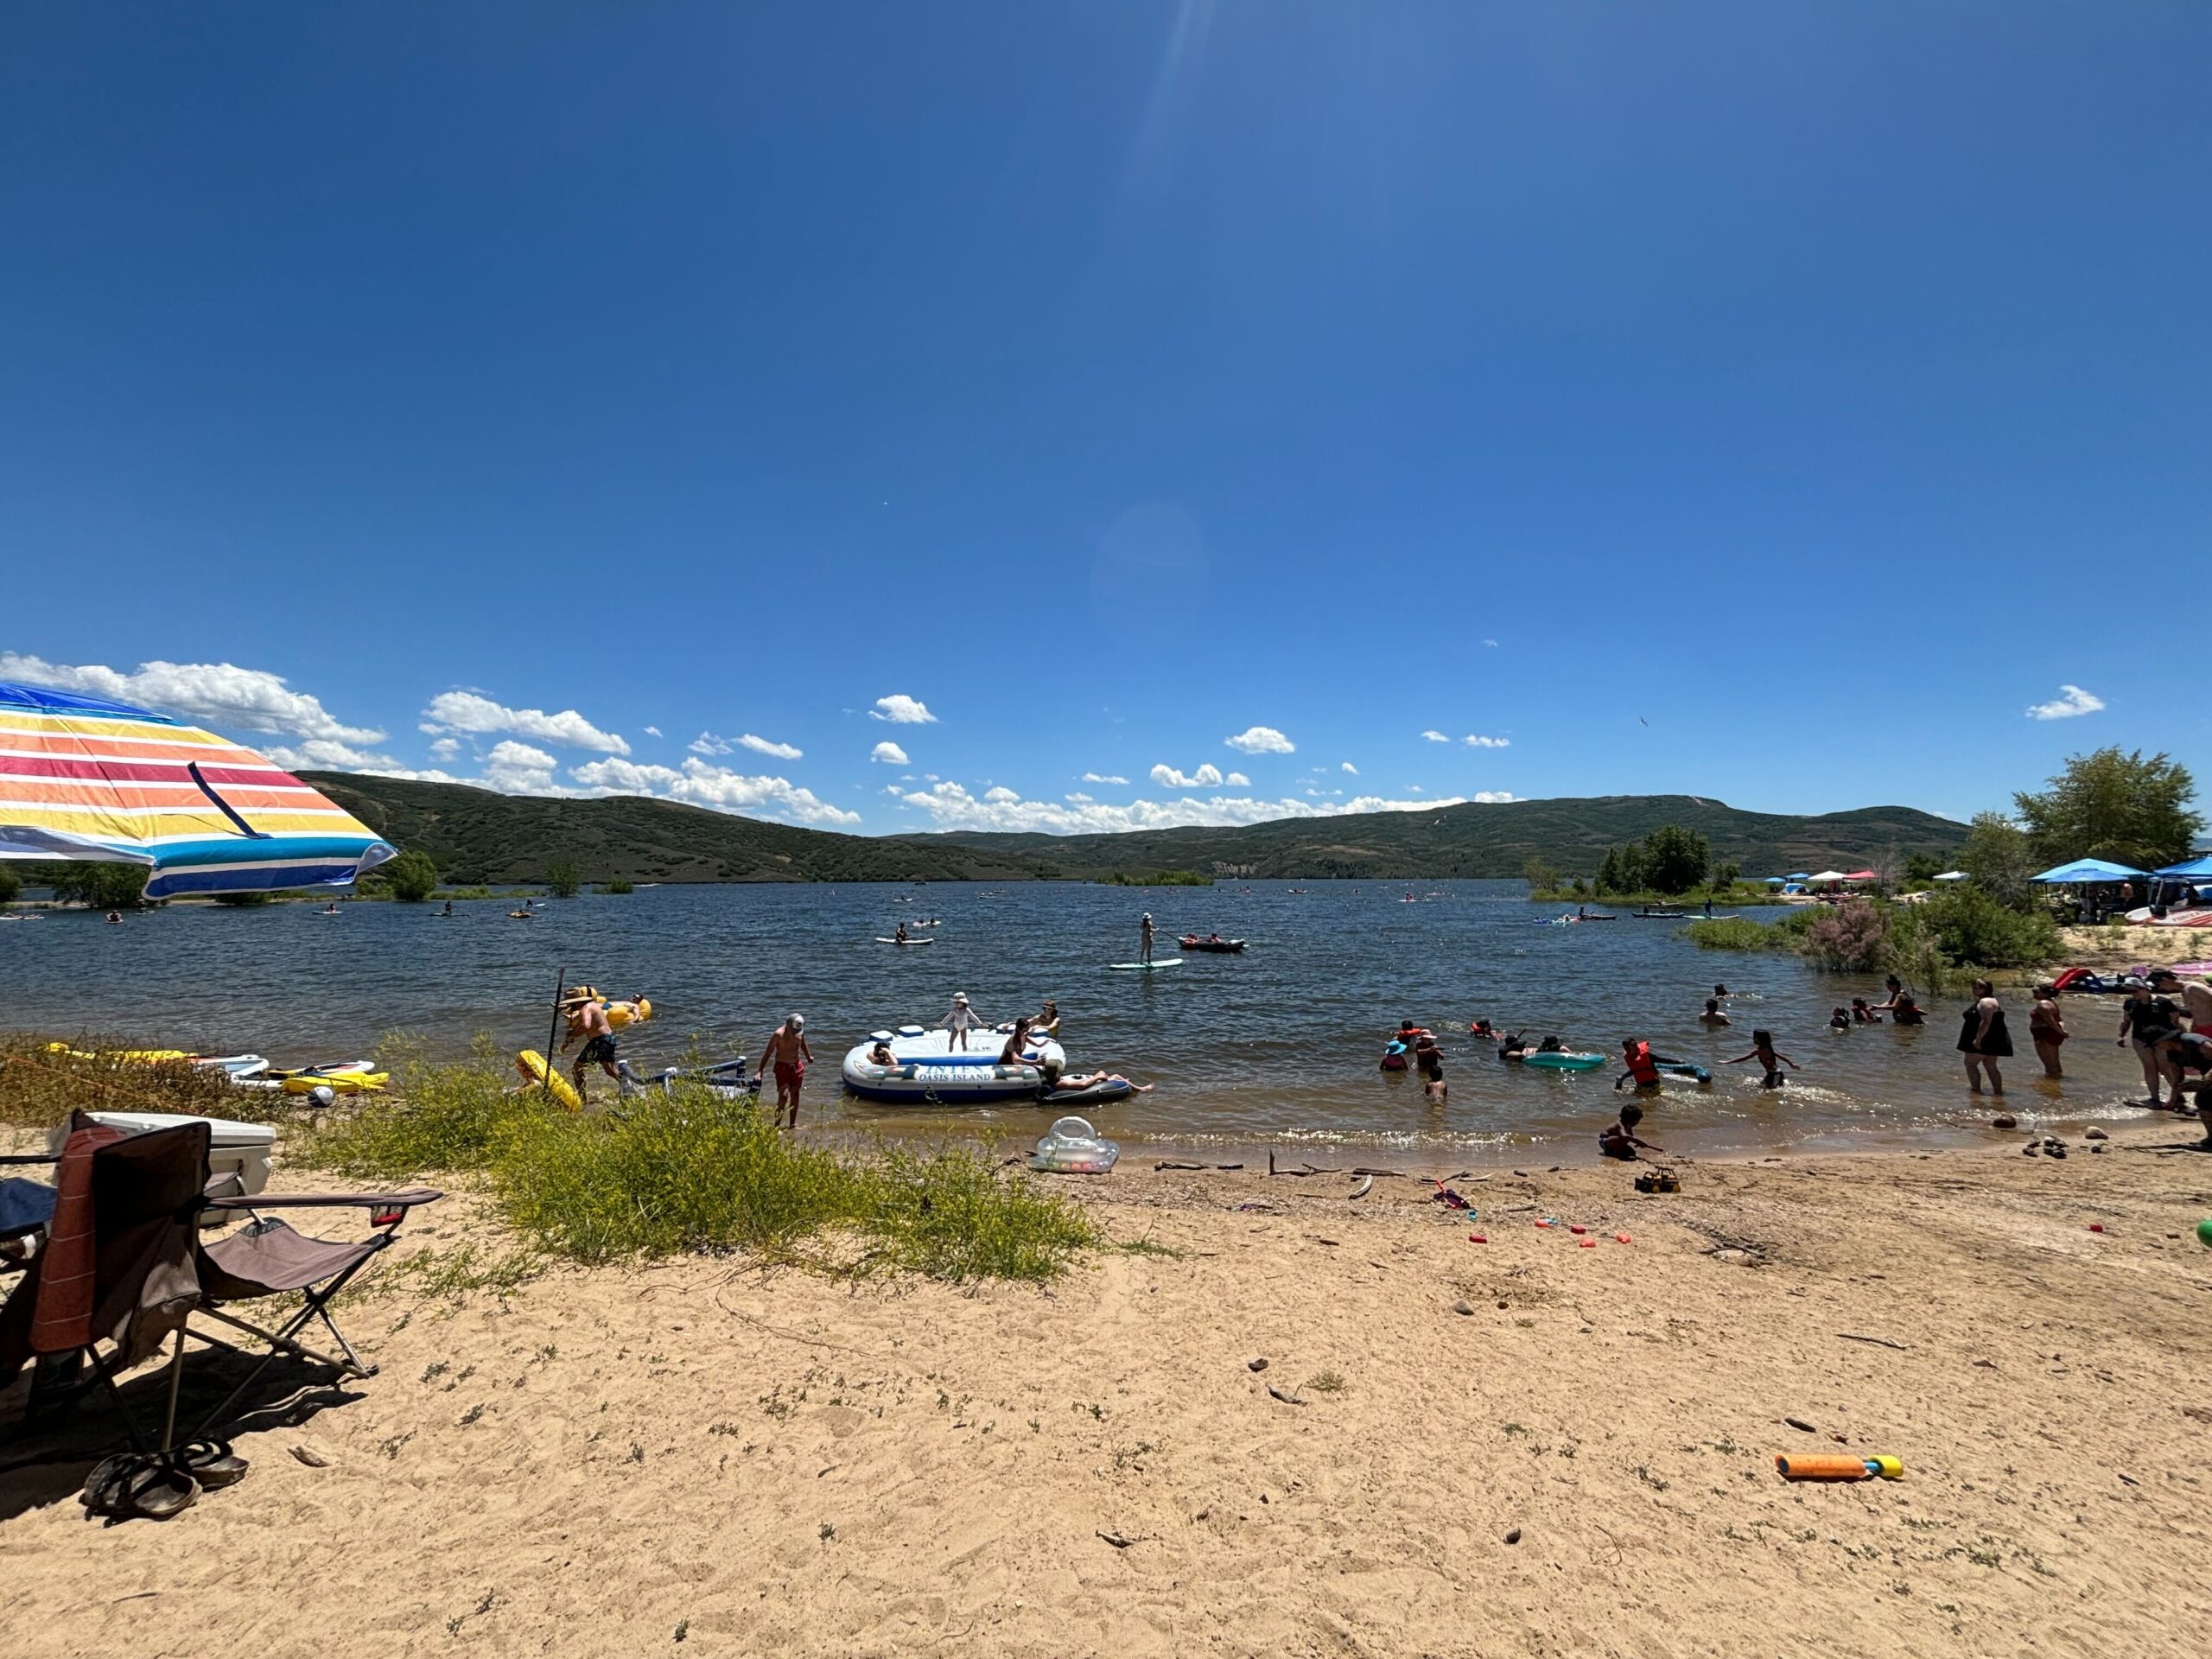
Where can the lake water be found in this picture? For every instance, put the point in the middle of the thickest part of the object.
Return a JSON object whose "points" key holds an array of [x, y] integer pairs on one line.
{"points": [[1278, 1046]]}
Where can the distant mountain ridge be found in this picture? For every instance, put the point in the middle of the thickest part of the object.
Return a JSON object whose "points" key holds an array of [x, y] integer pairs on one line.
{"points": [[1482, 838], [479, 836]]}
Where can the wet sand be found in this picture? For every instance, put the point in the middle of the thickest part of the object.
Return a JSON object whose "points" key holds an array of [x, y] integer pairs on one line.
{"points": [[749, 1460]]}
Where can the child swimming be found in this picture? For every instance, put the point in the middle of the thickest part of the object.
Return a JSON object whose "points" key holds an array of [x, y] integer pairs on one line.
{"points": [[1764, 1052]]}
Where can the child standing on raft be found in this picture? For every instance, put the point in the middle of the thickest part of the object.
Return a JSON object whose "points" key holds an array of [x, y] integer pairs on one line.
{"points": [[959, 1021]]}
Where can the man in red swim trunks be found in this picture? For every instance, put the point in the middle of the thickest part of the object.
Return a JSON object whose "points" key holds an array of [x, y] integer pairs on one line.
{"points": [[787, 1055]]}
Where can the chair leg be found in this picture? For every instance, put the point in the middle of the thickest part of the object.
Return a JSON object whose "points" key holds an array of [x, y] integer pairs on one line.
{"points": [[315, 1304]]}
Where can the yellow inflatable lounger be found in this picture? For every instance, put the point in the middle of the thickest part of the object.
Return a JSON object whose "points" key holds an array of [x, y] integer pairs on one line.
{"points": [[531, 1064], [338, 1082], [620, 1012]]}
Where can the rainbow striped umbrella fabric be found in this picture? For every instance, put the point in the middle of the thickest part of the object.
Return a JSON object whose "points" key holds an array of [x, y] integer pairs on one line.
{"points": [[81, 777]]}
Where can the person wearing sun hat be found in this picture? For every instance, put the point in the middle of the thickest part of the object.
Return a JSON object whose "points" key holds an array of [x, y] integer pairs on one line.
{"points": [[786, 1056]]}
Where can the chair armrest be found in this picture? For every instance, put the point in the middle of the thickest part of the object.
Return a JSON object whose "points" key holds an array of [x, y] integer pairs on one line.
{"points": [[28, 1158], [406, 1200]]}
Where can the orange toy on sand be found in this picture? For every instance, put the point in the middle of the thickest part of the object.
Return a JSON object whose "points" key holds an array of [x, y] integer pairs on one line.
{"points": [[1824, 1467]]}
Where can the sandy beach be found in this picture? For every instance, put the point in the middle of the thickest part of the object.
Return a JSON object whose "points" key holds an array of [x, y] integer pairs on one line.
{"points": [[1522, 1447]]}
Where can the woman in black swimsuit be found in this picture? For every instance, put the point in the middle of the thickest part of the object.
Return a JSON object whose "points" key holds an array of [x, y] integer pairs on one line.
{"points": [[1983, 1038]]}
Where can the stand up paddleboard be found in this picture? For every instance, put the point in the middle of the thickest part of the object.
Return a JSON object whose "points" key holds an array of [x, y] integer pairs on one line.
{"points": [[1145, 967], [880, 939]]}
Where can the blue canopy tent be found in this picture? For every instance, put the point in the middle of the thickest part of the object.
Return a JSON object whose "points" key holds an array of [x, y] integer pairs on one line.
{"points": [[2194, 869], [2089, 869], [1778, 880]]}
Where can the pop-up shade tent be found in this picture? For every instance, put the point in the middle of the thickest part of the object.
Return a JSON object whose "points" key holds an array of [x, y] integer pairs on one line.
{"points": [[2195, 869], [84, 778], [2089, 869]]}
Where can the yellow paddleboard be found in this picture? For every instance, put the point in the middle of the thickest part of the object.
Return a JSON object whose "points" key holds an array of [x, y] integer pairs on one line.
{"points": [[338, 1082], [531, 1064]]}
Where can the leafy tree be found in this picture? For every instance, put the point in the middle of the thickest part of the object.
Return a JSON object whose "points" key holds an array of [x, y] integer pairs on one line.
{"points": [[562, 880], [412, 877], [1998, 857], [1972, 925], [1540, 876], [1922, 868], [1623, 870], [11, 885], [103, 886], [1674, 859], [2115, 806], [1724, 876]]}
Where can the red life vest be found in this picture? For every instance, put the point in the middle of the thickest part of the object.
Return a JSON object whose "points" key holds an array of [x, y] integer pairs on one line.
{"points": [[1640, 1066]]}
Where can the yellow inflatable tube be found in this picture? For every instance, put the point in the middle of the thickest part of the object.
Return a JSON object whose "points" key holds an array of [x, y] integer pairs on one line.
{"points": [[531, 1064]]}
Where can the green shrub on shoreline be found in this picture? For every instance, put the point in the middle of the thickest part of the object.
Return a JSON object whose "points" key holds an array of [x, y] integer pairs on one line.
{"points": [[663, 1174]]}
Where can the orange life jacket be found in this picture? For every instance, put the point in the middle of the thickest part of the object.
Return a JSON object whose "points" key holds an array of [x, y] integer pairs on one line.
{"points": [[1640, 1066]]}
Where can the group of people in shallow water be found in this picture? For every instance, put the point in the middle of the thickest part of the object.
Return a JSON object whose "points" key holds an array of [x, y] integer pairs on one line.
{"points": [[2166, 1019]]}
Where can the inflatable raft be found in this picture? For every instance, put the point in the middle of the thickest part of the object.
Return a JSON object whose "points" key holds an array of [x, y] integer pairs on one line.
{"points": [[928, 1071]]}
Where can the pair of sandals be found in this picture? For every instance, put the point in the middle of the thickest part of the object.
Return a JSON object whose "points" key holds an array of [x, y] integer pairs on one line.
{"points": [[157, 1486]]}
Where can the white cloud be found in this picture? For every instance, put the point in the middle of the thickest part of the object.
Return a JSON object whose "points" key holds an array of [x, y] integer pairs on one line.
{"points": [[700, 785], [1080, 798], [215, 694], [890, 753], [1480, 742], [446, 748], [652, 731], [762, 745], [2072, 700], [325, 754], [1350, 768], [1206, 776], [1435, 736], [515, 768], [1260, 740], [465, 711], [1491, 644], [901, 710], [1413, 789], [952, 807], [708, 743], [1492, 796], [1103, 777], [1237, 780]]}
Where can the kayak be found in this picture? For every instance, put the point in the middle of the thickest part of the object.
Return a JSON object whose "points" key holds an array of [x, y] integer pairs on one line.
{"points": [[1558, 1060], [326, 1068], [338, 1082], [1145, 967], [1192, 942]]}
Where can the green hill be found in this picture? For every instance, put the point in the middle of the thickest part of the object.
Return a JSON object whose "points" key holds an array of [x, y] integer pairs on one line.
{"points": [[1493, 839], [477, 836]]}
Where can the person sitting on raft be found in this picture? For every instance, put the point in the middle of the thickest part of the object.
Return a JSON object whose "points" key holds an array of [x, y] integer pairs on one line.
{"points": [[1640, 1066], [1551, 1045], [881, 1054], [1712, 1015], [1016, 1041], [1047, 1024], [1763, 1050], [1619, 1139]]}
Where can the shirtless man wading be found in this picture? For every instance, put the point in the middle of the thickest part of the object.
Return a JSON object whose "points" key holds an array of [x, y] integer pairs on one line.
{"points": [[588, 1020], [787, 1055]]}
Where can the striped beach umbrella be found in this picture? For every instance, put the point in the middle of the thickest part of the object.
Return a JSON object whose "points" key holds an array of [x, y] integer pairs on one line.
{"points": [[81, 777]]}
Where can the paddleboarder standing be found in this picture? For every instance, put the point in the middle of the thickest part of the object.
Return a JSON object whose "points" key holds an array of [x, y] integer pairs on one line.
{"points": [[1144, 938]]}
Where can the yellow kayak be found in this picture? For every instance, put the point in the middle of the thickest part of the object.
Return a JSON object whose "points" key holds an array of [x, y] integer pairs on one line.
{"points": [[338, 1082]]}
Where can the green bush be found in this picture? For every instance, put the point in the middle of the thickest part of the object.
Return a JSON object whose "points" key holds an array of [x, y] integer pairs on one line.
{"points": [[618, 887], [11, 885], [1971, 927], [102, 887], [562, 880], [412, 877], [434, 1118], [951, 1215], [1736, 933]]}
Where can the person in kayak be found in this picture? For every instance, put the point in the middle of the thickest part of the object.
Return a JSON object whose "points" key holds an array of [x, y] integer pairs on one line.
{"points": [[1640, 1066]]}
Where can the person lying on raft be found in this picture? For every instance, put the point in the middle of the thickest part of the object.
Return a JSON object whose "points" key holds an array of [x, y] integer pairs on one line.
{"points": [[881, 1054], [1619, 1139], [1712, 1015], [1763, 1050], [1057, 1082]]}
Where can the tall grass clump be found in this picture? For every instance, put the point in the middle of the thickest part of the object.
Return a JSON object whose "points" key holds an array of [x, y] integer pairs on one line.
{"points": [[670, 1172], [435, 1117], [950, 1215], [43, 1079], [1736, 933]]}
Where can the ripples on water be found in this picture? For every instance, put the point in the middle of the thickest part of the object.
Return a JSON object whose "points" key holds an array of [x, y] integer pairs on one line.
{"points": [[1277, 1045]]}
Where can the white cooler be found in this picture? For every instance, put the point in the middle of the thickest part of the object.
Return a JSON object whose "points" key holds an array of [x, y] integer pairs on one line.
{"points": [[233, 1147]]}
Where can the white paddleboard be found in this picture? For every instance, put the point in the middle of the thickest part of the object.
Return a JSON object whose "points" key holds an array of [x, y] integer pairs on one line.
{"points": [[1146, 967], [880, 939]]}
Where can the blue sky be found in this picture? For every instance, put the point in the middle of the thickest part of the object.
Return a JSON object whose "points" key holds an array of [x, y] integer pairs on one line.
{"points": [[1767, 403]]}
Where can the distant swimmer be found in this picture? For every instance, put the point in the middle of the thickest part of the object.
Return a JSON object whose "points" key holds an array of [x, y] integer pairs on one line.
{"points": [[1712, 1015], [115, 918]]}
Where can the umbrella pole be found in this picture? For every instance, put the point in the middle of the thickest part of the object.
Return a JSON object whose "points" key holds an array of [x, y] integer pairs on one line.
{"points": [[553, 1033]]}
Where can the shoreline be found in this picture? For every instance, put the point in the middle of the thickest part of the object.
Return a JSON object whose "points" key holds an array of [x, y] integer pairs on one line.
{"points": [[1525, 1444]]}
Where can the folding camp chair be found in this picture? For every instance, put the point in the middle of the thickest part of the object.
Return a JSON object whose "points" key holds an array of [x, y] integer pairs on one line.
{"points": [[124, 1262]]}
